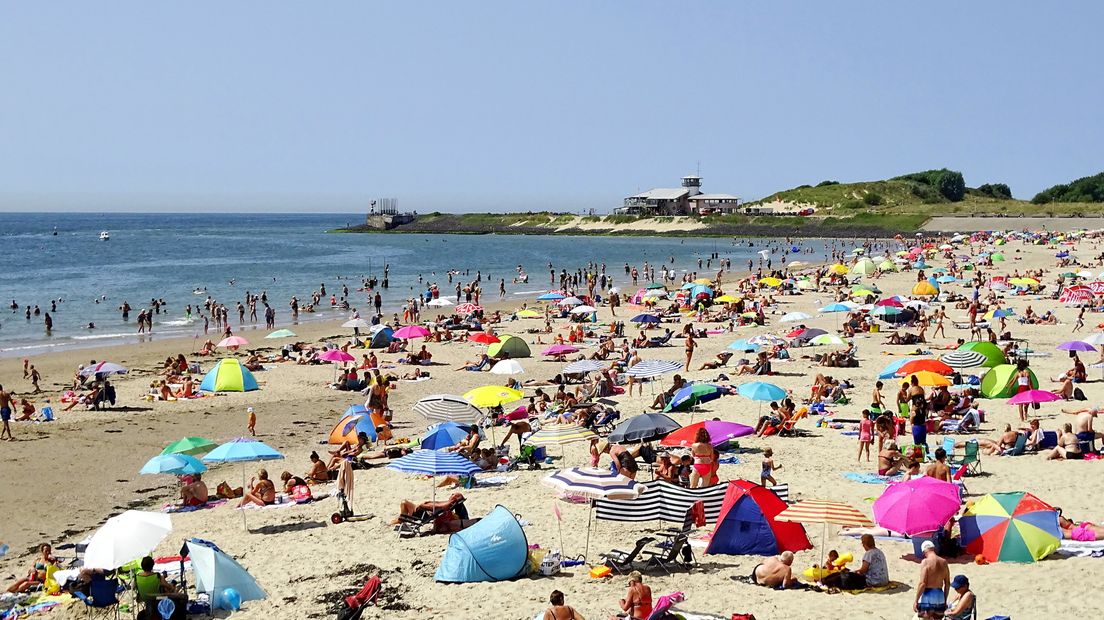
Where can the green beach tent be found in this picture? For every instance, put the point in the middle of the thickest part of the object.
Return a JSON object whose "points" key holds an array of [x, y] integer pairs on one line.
{"points": [[512, 346], [993, 354], [1000, 382]]}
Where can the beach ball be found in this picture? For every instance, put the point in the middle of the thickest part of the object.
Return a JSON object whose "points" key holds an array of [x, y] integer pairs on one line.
{"points": [[231, 599], [166, 608]]}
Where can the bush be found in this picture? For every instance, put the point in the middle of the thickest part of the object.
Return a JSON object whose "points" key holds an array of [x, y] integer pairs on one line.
{"points": [[803, 187], [873, 199], [825, 183], [949, 183], [1085, 189], [854, 204], [995, 190]]}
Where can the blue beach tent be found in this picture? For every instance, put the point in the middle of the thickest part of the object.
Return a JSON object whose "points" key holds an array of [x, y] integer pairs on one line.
{"points": [[381, 338], [494, 549]]}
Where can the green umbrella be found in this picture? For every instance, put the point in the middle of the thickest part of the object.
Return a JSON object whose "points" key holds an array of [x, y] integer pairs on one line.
{"points": [[996, 257], [281, 333], [190, 445]]}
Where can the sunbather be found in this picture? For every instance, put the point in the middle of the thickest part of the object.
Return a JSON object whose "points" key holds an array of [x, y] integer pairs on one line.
{"points": [[1083, 531], [1006, 440], [318, 471], [775, 571], [261, 491], [448, 515], [37, 574], [638, 601], [1068, 448], [560, 610], [194, 492]]}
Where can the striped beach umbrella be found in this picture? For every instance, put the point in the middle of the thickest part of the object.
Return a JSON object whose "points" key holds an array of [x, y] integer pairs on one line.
{"points": [[103, 368], [767, 340], [560, 434], [594, 484], [434, 463], [652, 368], [964, 359], [1011, 527], [824, 511], [467, 308], [582, 366], [447, 408]]}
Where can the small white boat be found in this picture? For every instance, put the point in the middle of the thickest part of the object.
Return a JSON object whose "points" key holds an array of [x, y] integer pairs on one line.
{"points": [[104, 236]]}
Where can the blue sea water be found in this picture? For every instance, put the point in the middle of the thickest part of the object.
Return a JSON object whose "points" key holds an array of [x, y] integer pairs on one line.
{"points": [[167, 256]]}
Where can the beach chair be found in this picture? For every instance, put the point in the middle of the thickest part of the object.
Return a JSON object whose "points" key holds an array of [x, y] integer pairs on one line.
{"points": [[678, 554], [959, 478], [102, 598], [1018, 448], [604, 425], [622, 561], [949, 446], [411, 526], [789, 427], [971, 457]]}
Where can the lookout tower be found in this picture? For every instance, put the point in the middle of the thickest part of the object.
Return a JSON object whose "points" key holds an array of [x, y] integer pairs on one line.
{"points": [[692, 183]]}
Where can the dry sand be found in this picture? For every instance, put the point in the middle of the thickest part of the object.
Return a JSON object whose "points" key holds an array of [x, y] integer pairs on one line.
{"points": [[61, 480]]}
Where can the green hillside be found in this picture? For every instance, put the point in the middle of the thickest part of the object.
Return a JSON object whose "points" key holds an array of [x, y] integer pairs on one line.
{"points": [[1085, 190]]}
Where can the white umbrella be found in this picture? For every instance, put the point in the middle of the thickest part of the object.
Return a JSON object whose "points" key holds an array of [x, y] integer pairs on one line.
{"points": [[570, 301], [507, 367], [1095, 339], [126, 537], [357, 323], [582, 309], [440, 301], [794, 317], [582, 366]]}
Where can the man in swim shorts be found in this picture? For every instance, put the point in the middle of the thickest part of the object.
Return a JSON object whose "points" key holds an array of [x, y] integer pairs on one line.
{"points": [[775, 572], [933, 585], [5, 414]]}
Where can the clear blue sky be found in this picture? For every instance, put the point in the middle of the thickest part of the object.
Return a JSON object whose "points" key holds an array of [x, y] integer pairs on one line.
{"points": [[321, 106]]}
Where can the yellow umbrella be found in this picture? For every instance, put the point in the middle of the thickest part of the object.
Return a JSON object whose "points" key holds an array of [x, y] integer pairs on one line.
{"points": [[924, 288], [705, 281], [492, 396], [1023, 281], [771, 282], [529, 314], [928, 378], [727, 299], [839, 269], [862, 292]]}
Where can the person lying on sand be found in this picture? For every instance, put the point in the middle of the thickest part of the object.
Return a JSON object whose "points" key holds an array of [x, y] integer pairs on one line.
{"points": [[775, 571], [1006, 440], [1084, 531]]}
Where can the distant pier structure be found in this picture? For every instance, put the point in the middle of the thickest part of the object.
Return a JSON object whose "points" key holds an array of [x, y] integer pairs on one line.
{"points": [[383, 214]]}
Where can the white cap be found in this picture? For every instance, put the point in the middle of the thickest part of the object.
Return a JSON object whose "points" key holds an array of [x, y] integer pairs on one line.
{"points": [[927, 546]]}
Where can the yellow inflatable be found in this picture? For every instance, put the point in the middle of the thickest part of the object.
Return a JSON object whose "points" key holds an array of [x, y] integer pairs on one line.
{"points": [[817, 573]]}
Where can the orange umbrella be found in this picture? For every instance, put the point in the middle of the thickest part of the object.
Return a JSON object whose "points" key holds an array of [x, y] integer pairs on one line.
{"points": [[483, 338], [929, 379], [925, 365], [923, 289]]}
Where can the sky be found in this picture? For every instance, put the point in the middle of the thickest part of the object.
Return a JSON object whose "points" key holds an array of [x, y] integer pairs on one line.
{"points": [[532, 105]]}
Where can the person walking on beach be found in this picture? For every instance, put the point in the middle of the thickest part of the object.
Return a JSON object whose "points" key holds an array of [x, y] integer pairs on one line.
{"points": [[35, 378], [251, 424], [690, 345], [934, 582], [5, 414]]}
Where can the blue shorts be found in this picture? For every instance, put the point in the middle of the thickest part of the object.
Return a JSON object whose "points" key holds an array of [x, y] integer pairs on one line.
{"points": [[932, 600], [5, 413]]}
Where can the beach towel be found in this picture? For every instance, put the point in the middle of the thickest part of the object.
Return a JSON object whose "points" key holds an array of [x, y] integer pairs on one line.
{"points": [[174, 507], [1081, 549], [888, 587], [868, 478], [494, 481], [729, 460]]}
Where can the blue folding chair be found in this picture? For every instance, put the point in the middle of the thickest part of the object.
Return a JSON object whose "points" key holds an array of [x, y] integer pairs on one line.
{"points": [[102, 598]]}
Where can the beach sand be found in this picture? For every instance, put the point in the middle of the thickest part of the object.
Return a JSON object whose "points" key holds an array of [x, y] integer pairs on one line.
{"points": [[62, 479]]}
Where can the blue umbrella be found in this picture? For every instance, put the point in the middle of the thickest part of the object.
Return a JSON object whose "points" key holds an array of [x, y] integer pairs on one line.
{"points": [[890, 371], [241, 450], [550, 297], [743, 345], [836, 308], [1062, 254], [443, 435], [761, 391], [946, 279], [178, 464], [1003, 312], [699, 289], [645, 318]]}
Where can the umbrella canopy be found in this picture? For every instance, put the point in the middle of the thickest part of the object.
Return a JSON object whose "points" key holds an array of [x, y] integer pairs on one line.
{"points": [[917, 506], [743, 345], [643, 428], [925, 365], [507, 367], [126, 537], [190, 445], [550, 297], [761, 391], [228, 375], [767, 340], [824, 511], [964, 359], [929, 379], [357, 323], [1010, 527], [216, 572], [559, 349], [447, 407], [652, 368], [410, 332], [232, 341], [583, 309], [1031, 397], [594, 483], [241, 450], [1076, 345], [281, 333], [827, 339], [335, 355], [864, 267], [645, 318], [837, 307], [483, 338], [103, 368], [693, 394], [529, 314], [467, 308], [719, 432], [839, 269], [583, 366], [993, 354], [1096, 339], [795, 317], [560, 434], [434, 463], [177, 464], [439, 302], [570, 301], [890, 371], [443, 435], [492, 396]]}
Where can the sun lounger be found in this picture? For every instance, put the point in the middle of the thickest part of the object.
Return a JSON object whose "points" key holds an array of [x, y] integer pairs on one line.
{"points": [[678, 554], [622, 561], [411, 526]]}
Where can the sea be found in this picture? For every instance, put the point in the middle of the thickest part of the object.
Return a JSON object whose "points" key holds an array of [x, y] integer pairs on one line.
{"points": [[57, 262]]}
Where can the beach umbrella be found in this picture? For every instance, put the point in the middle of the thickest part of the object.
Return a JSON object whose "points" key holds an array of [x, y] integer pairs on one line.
{"points": [[726, 299], [917, 506], [228, 375], [838, 269], [761, 391], [1000, 313], [885, 312], [928, 365], [483, 338], [643, 428], [1010, 527], [770, 282], [335, 355], [795, 317], [1075, 345], [693, 394], [993, 354], [103, 368], [652, 368], [350, 425], [1096, 339], [529, 314], [650, 319], [232, 342], [743, 345], [507, 367], [963, 359], [890, 302], [824, 512], [836, 307], [766, 340], [583, 309], [560, 435], [929, 379], [593, 484], [190, 445], [439, 302], [570, 301], [443, 435], [890, 371], [467, 308], [559, 349], [806, 334], [719, 432], [447, 407], [434, 463], [805, 284], [582, 366], [126, 537], [924, 288], [280, 333], [946, 279], [887, 265], [410, 332], [242, 450], [827, 339], [177, 464], [862, 292], [357, 324], [216, 573], [654, 285], [1033, 397], [550, 297], [864, 267], [492, 396]]}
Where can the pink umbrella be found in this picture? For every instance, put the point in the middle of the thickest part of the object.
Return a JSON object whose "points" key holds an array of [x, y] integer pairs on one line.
{"points": [[410, 332], [559, 349], [232, 342], [467, 308], [889, 302], [335, 355], [917, 506], [1030, 397]]}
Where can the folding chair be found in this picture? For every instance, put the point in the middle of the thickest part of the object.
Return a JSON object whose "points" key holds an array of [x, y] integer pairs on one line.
{"points": [[411, 526], [971, 457], [102, 597], [669, 558], [622, 561]]}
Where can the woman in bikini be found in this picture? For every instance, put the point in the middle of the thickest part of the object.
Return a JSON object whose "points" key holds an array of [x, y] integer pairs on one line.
{"points": [[261, 491], [560, 610], [318, 471], [1023, 384], [702, 452], [1084, 531]]}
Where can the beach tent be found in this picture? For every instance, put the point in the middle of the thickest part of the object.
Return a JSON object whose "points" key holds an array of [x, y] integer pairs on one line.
{"points": [[493, 549], [746, 525], [228, 375], [381, 338], [349, 426], [1000, 382], [216, 572], [993, 354], [512, 346]]}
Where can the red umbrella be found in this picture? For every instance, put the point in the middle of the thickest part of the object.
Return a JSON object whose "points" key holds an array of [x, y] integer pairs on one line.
{"points": [[467, 308], [483, 338], [929, 365]]}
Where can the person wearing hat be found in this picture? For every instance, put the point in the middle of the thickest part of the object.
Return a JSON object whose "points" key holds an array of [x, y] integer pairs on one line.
{"points": [[934, 582], [964, 606]]}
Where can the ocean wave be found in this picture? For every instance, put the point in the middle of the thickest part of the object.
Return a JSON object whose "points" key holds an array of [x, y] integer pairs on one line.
{"points": [[177, 322], [103, 336]]}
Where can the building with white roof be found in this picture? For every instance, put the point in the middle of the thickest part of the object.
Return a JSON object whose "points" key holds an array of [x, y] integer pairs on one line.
{"points": [[678, 201]]}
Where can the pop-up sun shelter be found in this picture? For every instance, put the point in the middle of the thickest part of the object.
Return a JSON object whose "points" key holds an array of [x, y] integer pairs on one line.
{"points": [[494, 549], [746, 525], [228, 375], [216, 572], [381, 338], [512, 346], [1000, 382]]}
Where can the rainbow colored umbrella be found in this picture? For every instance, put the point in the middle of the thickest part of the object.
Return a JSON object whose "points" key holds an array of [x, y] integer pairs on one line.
{"points": [[1011, 527]]}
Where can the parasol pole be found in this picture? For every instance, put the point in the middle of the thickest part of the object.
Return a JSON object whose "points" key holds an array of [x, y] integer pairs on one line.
{"points": [[590, 512], [242, 507]]}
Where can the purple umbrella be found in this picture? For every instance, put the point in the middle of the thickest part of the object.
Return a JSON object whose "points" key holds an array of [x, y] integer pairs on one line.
{"points": [[1076, 345]]}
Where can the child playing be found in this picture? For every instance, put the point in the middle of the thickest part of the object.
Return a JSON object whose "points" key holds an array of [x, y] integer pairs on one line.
{"points": [[866, 435], [768, 468], [252, 422], [685, 467]]}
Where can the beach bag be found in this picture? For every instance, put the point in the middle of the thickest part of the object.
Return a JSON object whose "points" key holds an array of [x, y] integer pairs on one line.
{"points": [[301, 494], [1077, 395]]}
